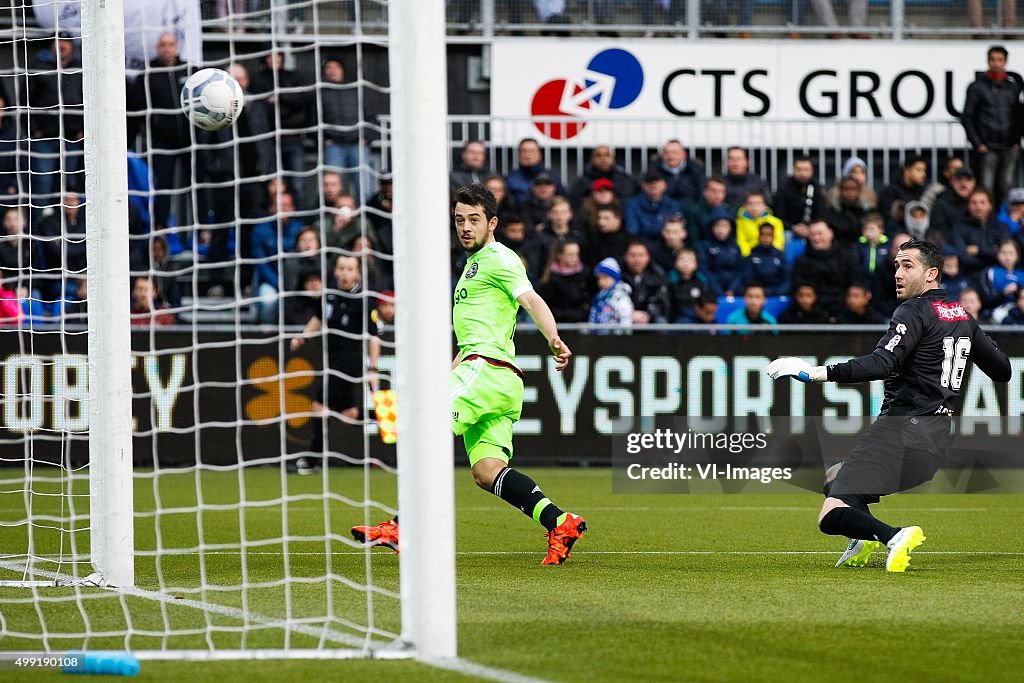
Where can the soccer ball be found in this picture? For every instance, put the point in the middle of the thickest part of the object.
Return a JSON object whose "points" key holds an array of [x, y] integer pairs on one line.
{"points": [[212, 99]]}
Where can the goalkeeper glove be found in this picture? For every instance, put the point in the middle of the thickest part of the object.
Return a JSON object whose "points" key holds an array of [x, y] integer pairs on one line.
{"points": [[797, 369]]}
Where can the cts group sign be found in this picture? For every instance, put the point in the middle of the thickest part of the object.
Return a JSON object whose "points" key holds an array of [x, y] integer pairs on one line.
{"points": [[722, 92]]}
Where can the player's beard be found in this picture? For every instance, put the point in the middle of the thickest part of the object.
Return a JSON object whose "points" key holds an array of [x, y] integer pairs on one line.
{"points": [[478, 244]]}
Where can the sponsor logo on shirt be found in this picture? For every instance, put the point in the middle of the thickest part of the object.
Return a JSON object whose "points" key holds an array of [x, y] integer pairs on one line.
{"points": [[949, 312]]}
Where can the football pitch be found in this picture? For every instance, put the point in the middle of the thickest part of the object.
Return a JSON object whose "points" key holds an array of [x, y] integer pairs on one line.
{"points": [[661, 588]]}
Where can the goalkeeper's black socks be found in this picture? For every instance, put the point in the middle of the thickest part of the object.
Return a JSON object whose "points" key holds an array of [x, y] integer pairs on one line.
{"points": [[518, 490], [854, 523]]}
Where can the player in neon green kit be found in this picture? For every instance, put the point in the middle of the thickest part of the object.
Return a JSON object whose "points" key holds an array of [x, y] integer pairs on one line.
{"points": [[486, 386]]}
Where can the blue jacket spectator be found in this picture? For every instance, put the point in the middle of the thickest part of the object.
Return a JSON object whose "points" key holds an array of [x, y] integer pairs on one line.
{"points": [[977, 238], [766, 265], [647, 212], [1011, 213], [1000, 283], [719, 255], [520, 181], [872, 246], [753, 312], [269, 239]]}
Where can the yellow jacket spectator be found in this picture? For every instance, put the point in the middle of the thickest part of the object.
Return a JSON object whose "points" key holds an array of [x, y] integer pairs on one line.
{"points": [[750, 217]]}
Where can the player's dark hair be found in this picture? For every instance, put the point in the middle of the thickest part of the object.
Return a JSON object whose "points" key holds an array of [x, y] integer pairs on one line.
{"points": [[931, 255], [477, 195], [998, 49]]}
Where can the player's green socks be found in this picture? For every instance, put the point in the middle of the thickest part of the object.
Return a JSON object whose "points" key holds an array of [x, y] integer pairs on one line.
{"points": [[854, 523], [518, 490]]}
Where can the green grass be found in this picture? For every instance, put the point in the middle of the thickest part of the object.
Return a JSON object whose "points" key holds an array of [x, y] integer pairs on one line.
{"points": [[652, 592]]}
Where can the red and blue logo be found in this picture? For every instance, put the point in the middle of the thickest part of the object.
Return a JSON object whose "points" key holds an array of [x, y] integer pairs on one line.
{"points": [[612, 80]]}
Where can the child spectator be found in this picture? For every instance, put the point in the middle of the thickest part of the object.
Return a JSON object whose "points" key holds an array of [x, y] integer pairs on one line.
{"points": [[858, 309], [674, 236], [719, 255], [699, 213], [566, 286], [377, 273], [804, 309], [647, 284], [970, 299], [953, 281], [1015, 316], [872, 245], [612, 305], [766, 265], [166, 282], [686, 285], [753, 312], [506, 202], [999, 283], [751, 216], [610, 239], [918, 223]]}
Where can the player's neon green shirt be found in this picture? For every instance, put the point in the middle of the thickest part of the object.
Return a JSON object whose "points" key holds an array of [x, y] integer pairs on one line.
{"points": [[485, 306]]}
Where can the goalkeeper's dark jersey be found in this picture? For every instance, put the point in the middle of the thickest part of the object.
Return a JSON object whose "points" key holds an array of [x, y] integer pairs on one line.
{"points": [[924, 355]]}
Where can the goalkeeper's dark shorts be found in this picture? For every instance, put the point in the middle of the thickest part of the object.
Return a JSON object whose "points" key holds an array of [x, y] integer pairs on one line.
{"points": [[894, 454]]}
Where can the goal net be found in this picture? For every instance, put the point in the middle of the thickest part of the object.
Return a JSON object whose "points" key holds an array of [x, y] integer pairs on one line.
{"points": [[199, 403]]}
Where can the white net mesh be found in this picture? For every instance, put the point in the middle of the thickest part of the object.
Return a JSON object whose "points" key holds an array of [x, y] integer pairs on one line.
{"points": [[235, 239]]}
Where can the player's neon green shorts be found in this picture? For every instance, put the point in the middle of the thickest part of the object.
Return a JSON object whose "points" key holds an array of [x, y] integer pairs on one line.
{"points": [[486, 401]]}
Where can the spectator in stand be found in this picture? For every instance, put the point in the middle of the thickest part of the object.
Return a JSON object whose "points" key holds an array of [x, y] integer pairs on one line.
{"points": [[971, 301], [154, 109], [602, 193], [705, 311], [647, 284], [846, 211], [698, 213], [999, 283], [378, 212], [1015, 316], [612, 305], [302, 307], [377, 274], [19, 253], [686, 285], [646, 213], [145, 309], [521, 239], [1011, 213], [917, 222], [602, 166], [752, 215], [950, 207], [559, 226], [256, 149], [270, 239], [610, 240], [56, 122], [953, 281], [534, 210], [739, 181], [566, 285], [909, 187], [992, 120], [719, 255], [10, 306], [506, 203], [753, 312], [858, 309], [63, 246], [978, 236], [331, 188], [472, 167], [674, 237], [766, 265], [685, 178], [289, 113], [804, 309], [520, 181], [306, 256], [883, 284], [873, 245], [857, 168], [8, 143], [943, 182], [167, 287], [829, 268], [344, 224], [800, 200], [75, 306]]}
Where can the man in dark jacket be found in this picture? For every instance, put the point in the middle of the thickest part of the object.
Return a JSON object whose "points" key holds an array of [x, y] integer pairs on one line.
{"points": [[531, 164], [829, 268], [739, 181], [472, 167], [647, 282], [909, 187], [289, 113], [992, 121], [950, 206], [800, 200], [55, 96], [602, 165], [685, 178]]}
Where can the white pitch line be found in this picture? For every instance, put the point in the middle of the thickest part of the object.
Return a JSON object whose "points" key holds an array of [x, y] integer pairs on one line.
{"points": [[617, 552]]}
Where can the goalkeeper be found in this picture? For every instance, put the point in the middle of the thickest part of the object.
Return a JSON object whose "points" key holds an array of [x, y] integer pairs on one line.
{"points": [[922, 359], [486, 387]]}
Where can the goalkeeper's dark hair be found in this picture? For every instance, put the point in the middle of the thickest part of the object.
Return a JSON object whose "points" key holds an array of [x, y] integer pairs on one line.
{"points": [[477, 195], [930, 254]]}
